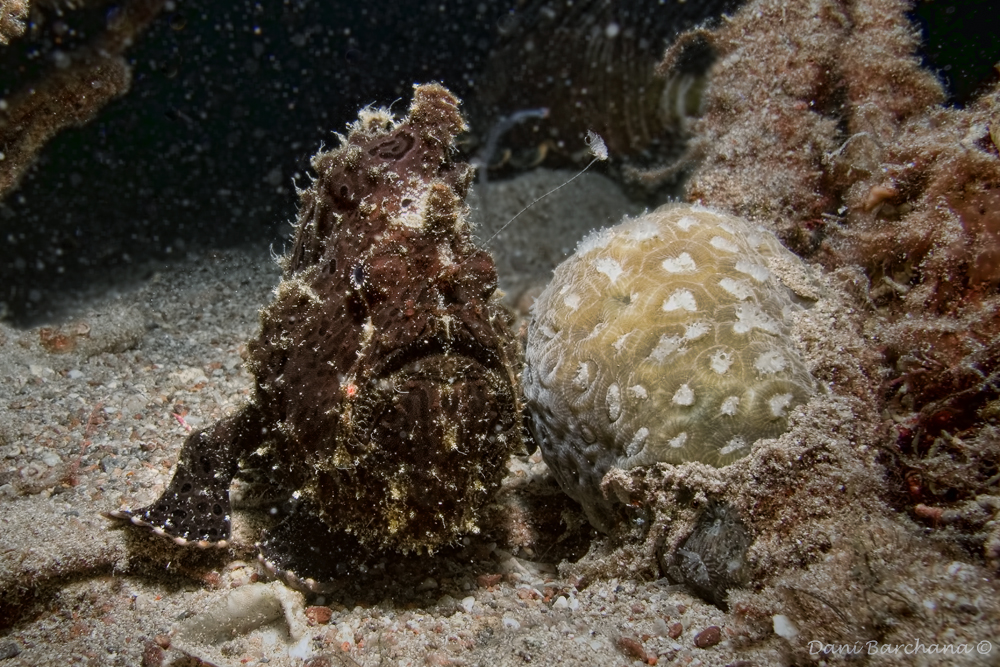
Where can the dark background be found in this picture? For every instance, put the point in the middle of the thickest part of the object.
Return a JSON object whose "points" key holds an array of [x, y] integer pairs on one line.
{"points": [[229, 100]]}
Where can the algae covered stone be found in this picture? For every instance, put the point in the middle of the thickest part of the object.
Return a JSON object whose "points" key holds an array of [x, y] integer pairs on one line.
{"points": [[663, 339]]}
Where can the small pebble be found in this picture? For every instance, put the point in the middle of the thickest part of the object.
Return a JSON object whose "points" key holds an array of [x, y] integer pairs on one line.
{"points": [[152, 655], [467, 604], [710, 636], [527, 594], [511, 623], [427, 584], [318, 615], [675, 630], [632, 648], [784, 627], [9, 650], [487, 580], [212, 579]]}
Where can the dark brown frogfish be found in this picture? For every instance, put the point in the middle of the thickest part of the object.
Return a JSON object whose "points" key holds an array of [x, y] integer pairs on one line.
{"points": [[386, 398]]}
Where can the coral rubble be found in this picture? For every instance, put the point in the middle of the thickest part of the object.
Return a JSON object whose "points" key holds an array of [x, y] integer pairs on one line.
{"points": [[238, 613]]}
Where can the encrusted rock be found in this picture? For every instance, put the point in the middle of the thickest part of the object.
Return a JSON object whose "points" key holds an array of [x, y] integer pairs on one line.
{"points": [[713, 558], [664, 339]]}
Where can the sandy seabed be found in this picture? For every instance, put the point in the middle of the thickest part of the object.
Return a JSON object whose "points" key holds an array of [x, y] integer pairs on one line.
{"points": [[94, 409]]}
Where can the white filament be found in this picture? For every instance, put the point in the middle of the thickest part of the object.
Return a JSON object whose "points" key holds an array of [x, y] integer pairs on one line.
{"points": [[600, 152]]}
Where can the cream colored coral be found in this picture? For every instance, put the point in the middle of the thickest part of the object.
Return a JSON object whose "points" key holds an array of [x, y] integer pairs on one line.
{"points": [[664, 339]]}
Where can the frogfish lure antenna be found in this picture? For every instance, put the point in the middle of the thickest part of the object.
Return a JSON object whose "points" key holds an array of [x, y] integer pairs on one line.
{"points": [[600, 152], [597, 148]]}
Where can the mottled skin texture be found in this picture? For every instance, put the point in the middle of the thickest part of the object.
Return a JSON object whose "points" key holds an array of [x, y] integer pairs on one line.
{"points": [[386, 374]]}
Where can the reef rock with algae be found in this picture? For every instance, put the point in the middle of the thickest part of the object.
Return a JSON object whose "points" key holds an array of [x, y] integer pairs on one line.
{"points": [[821, 124], [664, 339]]}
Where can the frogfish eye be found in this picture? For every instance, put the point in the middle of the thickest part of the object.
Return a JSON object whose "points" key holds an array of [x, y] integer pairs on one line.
{"points": [[358, 277]]}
